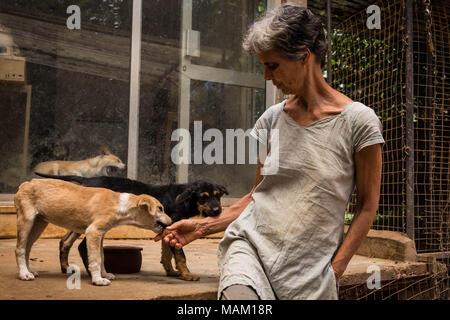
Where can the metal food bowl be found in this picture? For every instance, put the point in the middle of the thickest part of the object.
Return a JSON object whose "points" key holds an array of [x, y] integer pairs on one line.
{"points": [[118, 259]]}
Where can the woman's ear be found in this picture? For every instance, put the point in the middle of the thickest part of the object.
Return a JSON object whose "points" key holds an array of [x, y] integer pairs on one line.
{"points": [[305, 56]]}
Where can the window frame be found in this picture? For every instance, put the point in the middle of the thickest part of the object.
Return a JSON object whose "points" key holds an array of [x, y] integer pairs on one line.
{"points": [[188, 72]]}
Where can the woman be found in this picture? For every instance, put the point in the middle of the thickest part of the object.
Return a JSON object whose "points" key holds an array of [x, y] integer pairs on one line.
{"points": [[285, 239]]}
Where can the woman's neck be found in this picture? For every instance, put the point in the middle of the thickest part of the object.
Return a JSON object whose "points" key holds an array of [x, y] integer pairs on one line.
{"points": [[315, 92], [316, 96]]}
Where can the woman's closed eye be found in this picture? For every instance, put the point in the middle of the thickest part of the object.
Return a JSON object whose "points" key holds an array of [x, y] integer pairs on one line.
{"points": [[271, 66]]}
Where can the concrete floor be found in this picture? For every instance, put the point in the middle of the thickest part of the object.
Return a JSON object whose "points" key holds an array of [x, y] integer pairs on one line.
{"points": [[151, 282]]}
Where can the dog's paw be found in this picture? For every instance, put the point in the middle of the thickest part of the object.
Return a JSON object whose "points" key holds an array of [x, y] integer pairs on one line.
{"points": [[109, 276], [26, 276], [173, 273], [101, 282], [64, 268], [35, 273], [189, 277]]}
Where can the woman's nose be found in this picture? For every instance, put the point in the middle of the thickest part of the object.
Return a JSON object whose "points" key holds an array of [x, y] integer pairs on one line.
{"points": [[267, 75]]}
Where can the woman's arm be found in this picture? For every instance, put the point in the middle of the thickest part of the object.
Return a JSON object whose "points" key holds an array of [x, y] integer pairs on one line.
{"points": [[185, 231], [368, 181]]}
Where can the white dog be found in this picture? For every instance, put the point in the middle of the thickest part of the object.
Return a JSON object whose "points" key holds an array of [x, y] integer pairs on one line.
{"points": [[97, 166], [92, 211]]}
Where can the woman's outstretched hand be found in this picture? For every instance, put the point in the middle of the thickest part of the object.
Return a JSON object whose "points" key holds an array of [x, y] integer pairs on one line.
{"points": [[185, 231], [181, 233]]}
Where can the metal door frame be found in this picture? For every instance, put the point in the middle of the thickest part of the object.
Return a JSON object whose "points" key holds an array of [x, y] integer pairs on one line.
{"points": [[188, 72]]}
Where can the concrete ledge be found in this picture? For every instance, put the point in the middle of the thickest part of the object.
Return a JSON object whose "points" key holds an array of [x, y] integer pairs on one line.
{"points": [[7, 207], [389, 245], [8, 228], [358, 270]]}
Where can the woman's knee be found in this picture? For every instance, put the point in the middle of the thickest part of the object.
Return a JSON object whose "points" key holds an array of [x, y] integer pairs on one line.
{"points": [[239, 292]]}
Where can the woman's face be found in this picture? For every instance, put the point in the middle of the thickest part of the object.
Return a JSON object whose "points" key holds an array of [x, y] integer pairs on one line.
{"points": [[286, 75]]}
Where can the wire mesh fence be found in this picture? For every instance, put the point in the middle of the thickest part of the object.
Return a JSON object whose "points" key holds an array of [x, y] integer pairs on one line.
{"points": [[432, 131], [369, 65], [428, 287]]}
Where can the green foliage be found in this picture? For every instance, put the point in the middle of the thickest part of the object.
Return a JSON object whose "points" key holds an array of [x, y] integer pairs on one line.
{"points": [[261, 8], [348, 217], [364, 67]]}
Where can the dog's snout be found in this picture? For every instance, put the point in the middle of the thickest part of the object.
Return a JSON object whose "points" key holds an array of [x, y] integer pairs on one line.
{"points": [[162, 225], [215, 211], [163, 219]]}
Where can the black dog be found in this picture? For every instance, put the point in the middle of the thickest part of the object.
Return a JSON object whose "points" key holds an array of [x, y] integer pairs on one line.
{"points": [[180, 201]]}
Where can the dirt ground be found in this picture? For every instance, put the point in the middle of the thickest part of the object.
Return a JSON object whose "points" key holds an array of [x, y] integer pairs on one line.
{"points": [[150, 283]]}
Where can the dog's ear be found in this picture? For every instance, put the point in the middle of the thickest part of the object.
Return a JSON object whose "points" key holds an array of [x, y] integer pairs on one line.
{"points": [[145, 204], [184, 196], [223, 190], [104, 151]]}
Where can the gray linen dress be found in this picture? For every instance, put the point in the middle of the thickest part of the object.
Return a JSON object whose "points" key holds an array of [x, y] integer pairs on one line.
{"points": [[283, 242]]}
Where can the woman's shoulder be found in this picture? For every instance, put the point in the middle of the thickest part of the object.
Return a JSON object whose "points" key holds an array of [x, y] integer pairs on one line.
{"points": [[357, 112], [355, 107], [271, 113], [366, 126], [275, 109]]}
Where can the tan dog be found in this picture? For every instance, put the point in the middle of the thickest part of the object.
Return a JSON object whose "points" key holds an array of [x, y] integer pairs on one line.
{"points": [[92, 167], [92, 211]]}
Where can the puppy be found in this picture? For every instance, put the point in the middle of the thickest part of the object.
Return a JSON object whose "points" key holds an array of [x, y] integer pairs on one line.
{"points": [[92, 211], [102, 165], [181, 201]]}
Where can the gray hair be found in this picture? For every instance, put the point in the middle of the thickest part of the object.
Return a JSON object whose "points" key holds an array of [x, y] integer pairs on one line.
{"points": [[289, 29]]}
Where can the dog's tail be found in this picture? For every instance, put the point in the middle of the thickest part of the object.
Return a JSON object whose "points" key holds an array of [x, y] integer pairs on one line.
{"points": [[77, 179]]}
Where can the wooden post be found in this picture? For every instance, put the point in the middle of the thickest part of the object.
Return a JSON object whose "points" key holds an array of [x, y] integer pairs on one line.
{"points": [[329, 41], [409, 121], [26, 138]]}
